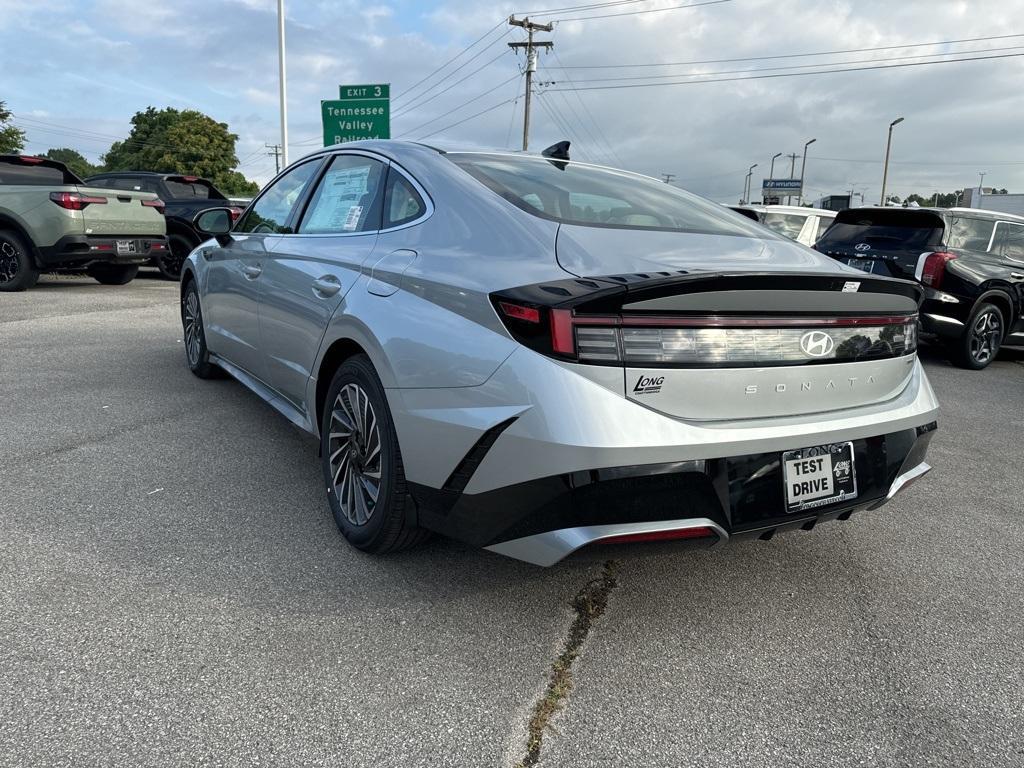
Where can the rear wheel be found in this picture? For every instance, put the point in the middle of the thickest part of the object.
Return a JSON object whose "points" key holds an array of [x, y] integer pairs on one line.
{"points": [[113, 274], [171, 261], [980, 343], [17, 270], [362, 463]]}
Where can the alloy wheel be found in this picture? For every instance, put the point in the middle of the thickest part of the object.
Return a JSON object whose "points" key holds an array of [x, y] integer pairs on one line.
{"points": [[193, 328], [986, 335], [8, 262], [174, 257], [355, 454]]}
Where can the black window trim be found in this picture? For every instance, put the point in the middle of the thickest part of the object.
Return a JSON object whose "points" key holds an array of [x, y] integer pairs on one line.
{"points": [[326, 158]]}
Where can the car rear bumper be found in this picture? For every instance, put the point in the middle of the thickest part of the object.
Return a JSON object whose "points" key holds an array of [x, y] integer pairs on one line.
{"points": [[943, 314], [544, 520], [81, 250]]}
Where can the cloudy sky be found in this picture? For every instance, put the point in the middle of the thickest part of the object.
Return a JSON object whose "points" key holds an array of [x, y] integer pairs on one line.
{"points": [[74, 71]]}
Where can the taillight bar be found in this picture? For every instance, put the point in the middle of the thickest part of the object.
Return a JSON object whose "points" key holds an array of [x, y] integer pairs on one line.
{"points": [[75, 201], [726, 321]]}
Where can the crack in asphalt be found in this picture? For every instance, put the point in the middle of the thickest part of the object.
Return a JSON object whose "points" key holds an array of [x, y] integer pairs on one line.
{"points": [[588, 605]]}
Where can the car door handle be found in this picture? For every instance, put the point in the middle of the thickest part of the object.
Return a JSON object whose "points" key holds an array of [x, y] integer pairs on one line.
{"points": [[252, 271], [326, 286], [1017, 275]]}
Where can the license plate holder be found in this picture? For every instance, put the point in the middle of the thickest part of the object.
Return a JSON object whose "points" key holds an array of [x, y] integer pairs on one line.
{"points": [[864, 265], [126, 248], [817, 476]]}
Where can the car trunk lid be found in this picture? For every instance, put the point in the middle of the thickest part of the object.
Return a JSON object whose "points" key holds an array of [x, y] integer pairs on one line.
{"points": [[122, 212]]}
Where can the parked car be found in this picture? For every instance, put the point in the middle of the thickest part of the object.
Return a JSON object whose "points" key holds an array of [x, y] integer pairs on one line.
{"points": [[51, 221], [183, 196], [533, 355], [969, 261], [805, 225]]}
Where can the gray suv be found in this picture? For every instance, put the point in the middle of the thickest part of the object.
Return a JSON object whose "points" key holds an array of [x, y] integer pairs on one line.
{"points": [[535, 355]]}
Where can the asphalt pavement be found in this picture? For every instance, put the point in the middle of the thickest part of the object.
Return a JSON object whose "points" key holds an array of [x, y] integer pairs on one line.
{"points": [[173, 591]]}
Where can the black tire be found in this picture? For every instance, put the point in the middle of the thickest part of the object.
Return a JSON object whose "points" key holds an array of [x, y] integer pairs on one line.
{"points": [[193, 335], [171, 261], [17, 269], [113, 274], [981, 340], [358, 440]]}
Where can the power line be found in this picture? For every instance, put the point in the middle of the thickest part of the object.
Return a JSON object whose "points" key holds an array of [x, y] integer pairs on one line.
{"points": [[649, 10], [418, 101], [792, 74], [591, 6], [791, 55], [467, 119], [453, 58], [610, 152], [794, 66], [449, 112], [565, 129]]}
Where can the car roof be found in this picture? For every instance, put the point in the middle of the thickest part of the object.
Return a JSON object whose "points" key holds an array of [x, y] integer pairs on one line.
{"points": [[786, 209], [981, 213], [149, 175]]}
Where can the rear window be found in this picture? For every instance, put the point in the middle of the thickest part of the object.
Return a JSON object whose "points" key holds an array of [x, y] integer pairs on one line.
{"points": [[571, 193], [786, 224], [14, 171], [900, 228], [179, 188]]}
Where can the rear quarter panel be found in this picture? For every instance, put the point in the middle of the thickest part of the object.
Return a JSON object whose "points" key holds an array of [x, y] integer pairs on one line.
{"points": [[44, 222]]}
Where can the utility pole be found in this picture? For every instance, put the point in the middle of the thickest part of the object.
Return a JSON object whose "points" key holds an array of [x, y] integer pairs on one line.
{"points": [[530, 46], [667, 177], [275, 150], [282, 77], [746, 186], [792, 173], [888, 146]]}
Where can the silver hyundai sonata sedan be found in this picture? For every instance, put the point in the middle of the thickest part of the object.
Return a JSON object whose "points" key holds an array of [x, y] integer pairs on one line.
{"points": [[534, 355]]}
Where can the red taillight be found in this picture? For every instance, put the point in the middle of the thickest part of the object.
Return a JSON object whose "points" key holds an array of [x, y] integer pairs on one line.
{"points": [[73, 201], [700, 532], [190, 179], [234, 213], [562, 340], [935, 267], [519, 312], [30, 160], [158, 204], [101, 247]]}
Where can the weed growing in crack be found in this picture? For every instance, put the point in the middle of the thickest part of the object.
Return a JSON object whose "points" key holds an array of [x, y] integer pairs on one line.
{"points": [[589, 603]]}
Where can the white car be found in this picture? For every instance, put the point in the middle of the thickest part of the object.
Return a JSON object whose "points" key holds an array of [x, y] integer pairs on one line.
{"points": [[805, 225]]}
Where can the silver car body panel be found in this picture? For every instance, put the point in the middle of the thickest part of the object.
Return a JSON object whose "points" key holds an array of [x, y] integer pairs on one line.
{"points": [[415, 299]]}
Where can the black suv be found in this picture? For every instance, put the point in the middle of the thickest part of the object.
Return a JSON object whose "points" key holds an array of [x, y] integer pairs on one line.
{"points": [[970, 262], [184, 198]]}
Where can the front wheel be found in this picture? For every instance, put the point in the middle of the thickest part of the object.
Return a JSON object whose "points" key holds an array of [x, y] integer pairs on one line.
{"points": [[113, 274], [980, 343], [362, 463], [196, 354]]}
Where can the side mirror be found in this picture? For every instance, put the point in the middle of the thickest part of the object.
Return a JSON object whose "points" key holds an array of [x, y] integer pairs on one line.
{"points": [[215, 222]]}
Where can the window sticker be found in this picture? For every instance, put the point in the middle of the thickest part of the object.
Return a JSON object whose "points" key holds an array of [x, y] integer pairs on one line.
{"points": [[339, 207]]}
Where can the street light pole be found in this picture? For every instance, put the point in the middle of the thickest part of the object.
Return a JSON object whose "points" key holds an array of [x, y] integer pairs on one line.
{"points": [[803, 168], [888, 147], [746, 188], [771, 173], [284, 87]]}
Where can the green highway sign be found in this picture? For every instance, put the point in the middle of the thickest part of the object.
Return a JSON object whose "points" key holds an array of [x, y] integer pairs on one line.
{"points": [[361, 112]]}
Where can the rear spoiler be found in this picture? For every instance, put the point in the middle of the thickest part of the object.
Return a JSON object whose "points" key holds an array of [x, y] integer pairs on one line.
{"points": [[765, 294], [45, 162]]}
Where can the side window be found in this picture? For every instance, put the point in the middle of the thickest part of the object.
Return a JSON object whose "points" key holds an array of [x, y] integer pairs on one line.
{"points": [[270, 213], [1009, 241], [402, 203], [786, 224], [970, 234], [348, 198], [824, 222]]}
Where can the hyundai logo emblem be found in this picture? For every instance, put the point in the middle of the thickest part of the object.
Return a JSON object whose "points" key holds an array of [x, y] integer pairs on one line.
{"points": [[862, 247], [816, 343]]}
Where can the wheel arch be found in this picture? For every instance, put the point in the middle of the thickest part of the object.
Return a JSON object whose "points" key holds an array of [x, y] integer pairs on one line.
{"points": [[1002, 298], [9, 222], [337, 353]]}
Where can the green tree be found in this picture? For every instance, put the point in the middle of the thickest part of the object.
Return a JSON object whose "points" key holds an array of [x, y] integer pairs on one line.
{"points": [[12, 139], [74, 160], [181, 141]]}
